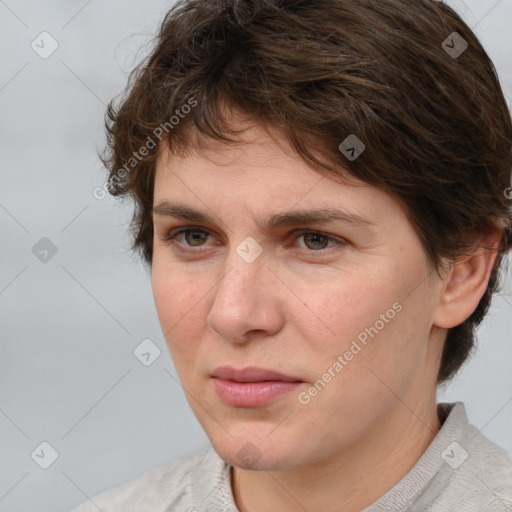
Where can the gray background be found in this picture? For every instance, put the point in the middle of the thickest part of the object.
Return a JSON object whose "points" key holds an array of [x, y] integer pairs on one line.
{"points": [[69, 326]]}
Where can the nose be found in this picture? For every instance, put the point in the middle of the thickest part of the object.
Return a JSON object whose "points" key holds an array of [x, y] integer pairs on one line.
{"points": [[246, 301]]}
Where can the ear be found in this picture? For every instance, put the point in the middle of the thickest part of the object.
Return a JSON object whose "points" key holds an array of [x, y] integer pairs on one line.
{"points": [[466, 282]]}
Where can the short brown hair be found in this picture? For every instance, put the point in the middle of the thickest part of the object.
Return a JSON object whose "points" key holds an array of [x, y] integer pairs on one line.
{"points": [[435, 124]]}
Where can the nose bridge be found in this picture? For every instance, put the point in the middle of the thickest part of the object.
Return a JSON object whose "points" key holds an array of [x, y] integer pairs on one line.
{"points": [[240, 299], [241, 284], [245, 264]]}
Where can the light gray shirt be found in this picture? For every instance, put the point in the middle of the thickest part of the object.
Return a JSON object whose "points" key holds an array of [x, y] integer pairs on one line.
{"points": [[460, 471]]}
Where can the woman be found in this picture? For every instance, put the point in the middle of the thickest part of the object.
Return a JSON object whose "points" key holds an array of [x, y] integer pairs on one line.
{"points": [[320, 194]]}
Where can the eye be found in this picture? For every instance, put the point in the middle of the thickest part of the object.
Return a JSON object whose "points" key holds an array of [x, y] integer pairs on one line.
{"points": [[194, 237], [315, 242]]}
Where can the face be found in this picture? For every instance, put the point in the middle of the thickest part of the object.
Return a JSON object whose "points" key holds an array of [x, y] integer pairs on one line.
{"points": [[343, 306]]}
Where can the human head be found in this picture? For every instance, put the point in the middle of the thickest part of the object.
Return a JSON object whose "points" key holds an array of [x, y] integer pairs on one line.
{"points": [[436, 128]]}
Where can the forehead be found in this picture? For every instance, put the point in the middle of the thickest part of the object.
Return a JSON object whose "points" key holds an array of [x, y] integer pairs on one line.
{"points": [[259, 148], [261, 173]]}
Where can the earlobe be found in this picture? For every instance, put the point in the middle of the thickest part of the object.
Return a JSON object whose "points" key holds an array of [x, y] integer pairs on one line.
{"points": [[466, 282]]}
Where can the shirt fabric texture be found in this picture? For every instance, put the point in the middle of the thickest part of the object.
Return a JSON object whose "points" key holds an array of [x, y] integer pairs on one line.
{"points": [[460, 471]]}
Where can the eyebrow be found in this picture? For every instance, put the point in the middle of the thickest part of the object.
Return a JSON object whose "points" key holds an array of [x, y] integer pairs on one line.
{"points": [[291, 218]]}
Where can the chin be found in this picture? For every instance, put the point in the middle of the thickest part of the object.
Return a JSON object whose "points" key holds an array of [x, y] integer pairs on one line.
{"points": [[255, 453]]}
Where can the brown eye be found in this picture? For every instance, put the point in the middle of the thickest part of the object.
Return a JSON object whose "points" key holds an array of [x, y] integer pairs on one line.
{"points": [[316, 241], [195, 237], [194, 240]]}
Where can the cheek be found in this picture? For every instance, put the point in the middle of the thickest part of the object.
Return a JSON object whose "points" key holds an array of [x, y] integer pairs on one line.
{"points": [[370, 321], [180, 304], [362, 355], [346, 307], [176, 291]]}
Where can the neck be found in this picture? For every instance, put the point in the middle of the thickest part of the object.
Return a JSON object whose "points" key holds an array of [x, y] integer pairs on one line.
{"points": [[349, 481]]}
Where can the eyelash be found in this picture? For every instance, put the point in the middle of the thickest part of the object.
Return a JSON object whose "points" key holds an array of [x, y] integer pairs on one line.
{"points": [[169, 239]]}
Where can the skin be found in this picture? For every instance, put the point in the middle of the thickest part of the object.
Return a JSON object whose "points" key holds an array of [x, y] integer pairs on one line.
{"points": [[295, 311]]}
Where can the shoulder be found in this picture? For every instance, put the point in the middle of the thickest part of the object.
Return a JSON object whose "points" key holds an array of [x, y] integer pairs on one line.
{"points": [[461, 470], [486, 472], [479, 472], [164, 485]]}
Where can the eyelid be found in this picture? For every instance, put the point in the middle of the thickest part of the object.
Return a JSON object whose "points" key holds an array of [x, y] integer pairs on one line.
{"points": [[174, 232], [170, 236], [330, 238]]}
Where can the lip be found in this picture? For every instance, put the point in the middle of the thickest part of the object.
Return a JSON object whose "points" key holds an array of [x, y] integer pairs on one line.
{"points": [[251, 386], [251, 374]]}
